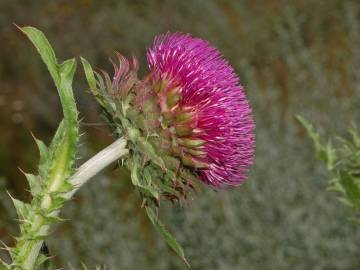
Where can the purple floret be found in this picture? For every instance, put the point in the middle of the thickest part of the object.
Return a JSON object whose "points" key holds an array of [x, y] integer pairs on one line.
{"points": [[209, 86]]}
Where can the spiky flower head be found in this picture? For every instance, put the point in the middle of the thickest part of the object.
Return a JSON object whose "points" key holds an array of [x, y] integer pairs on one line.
{"points": [[215, 130], [187, 120]]}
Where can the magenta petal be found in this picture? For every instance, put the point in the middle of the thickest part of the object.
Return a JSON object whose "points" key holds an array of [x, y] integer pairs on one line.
{"points": [[210, 85]]}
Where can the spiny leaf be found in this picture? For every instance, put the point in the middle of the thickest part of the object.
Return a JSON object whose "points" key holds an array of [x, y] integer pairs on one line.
{"points": [[311, 131], [355, 136], [56, 161], [67, 71], [170, 240], [331, 155], [62, 74], [56, 202], [64, 144], [34, 183], [22, 209], [343, 162], [64, 188], [44, 156], [352, 189], [325, 153], [57, 139], [43, 259]]}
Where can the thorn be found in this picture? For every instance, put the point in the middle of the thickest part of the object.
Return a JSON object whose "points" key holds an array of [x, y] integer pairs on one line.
{"points": [[25, 221], [93, 124], [83, 265], [10, 195], [13, 237], [18, 27], [5, 247], [32, 135], [186, 262], [19, 220], [24, 173]]}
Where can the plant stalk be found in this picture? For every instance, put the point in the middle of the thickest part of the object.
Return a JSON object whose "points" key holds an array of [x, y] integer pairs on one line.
{"points": [[84, 173]]}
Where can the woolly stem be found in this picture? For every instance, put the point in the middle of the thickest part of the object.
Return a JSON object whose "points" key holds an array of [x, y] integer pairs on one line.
{"points": [[98, 162], [83, 174]]}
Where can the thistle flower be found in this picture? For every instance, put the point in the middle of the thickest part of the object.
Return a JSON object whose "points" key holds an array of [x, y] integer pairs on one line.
{"points": [[187, 120], [209, 113]]}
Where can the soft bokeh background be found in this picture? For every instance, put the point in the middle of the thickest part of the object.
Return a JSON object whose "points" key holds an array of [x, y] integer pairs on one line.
{"points": [[294, 57]]}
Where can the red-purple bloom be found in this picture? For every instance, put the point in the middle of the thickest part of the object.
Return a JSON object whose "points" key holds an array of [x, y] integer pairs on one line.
{"points": [[212, 101]]}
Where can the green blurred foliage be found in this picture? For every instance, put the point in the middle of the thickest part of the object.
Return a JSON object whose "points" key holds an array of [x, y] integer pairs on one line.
{"points": [[342, 161], [294, 57]]}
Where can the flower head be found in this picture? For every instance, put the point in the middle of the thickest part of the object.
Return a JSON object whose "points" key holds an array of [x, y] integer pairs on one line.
{"points": [[205, 106], [187, 120]]}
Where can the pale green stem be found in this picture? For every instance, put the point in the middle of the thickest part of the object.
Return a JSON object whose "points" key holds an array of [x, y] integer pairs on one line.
{"points": [[83, 174]]}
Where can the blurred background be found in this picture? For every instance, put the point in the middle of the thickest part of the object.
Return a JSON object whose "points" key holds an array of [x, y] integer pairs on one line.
{"points": [[293, 57]]}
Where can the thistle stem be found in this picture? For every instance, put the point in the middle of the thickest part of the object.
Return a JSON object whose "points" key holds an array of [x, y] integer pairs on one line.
{"points": [[84, 173], [90, 168]]}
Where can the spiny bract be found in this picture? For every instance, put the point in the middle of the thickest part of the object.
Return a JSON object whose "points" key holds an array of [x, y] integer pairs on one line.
{"points": [[187, 120]]}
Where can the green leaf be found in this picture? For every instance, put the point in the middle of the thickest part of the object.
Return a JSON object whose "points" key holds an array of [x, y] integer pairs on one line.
{"points": [[170, 240], [311, 132], [331, 156], [58, 139], [44, 156], [63, 147], [62, 74], [325, 153], [43, 260], [67, 71], [34, 183], [64, 188], [352, 189], [22, 209], [355, 136], [45, 50], [343, 162], [56, 202]]}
